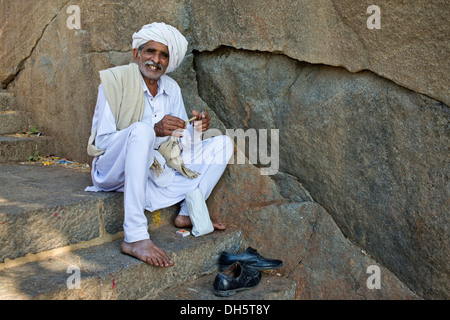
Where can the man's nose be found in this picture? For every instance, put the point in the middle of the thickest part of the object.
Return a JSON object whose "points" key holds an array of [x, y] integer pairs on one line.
{"points": [[155, 58]]}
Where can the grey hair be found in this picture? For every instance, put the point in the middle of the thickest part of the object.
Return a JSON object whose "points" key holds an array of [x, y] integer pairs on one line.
{"points": [[141, 47]]}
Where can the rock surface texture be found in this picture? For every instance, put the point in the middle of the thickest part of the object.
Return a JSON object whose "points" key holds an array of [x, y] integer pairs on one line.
{"points": [[362, 116]]}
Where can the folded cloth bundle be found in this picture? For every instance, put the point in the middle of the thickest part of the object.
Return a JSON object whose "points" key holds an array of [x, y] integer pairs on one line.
{"points": [[171, 151], [198, 213]]}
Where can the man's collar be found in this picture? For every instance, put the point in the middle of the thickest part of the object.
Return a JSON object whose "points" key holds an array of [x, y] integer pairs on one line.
{"points": [[161, 85]]}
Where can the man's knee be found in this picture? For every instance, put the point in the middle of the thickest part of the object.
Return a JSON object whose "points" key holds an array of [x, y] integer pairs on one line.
{"points": [[143, 132]]}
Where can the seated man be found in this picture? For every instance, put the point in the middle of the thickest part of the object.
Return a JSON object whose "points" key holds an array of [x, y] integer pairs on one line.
{"points": [[138, 109]]}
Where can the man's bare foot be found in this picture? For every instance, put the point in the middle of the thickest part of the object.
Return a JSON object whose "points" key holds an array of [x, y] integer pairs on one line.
{"points": [[185, 222], [146, 251]]}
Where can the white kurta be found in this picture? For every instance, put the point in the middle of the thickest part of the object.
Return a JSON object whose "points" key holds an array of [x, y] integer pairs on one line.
{"points": [[129, 153]]}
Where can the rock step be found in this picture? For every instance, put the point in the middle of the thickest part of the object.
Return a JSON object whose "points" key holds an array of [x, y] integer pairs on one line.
{"points": [[14, 145], [106, 273], [6, 100], [12, 122], [271, 287], [45, 208], [14, 148]]}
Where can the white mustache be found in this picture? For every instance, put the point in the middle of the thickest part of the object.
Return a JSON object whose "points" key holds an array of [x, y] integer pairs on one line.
{"points": [[151, 63]]}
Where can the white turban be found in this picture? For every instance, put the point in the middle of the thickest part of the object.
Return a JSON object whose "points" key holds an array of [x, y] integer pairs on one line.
{"points": [[167, 35]]}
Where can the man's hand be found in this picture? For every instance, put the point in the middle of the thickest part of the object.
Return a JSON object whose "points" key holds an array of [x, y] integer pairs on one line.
{"points": [[205, 119], [168, 126]]}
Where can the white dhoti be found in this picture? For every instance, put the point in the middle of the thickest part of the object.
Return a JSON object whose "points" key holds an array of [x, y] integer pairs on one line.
{"points": [[125, 167]]}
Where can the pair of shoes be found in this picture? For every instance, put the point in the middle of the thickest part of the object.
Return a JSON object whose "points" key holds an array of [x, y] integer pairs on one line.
{"points": [[236, 277], [251, 258]]}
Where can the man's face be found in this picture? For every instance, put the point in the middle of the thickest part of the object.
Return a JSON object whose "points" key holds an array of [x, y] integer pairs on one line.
{"points": [[153, 59]]}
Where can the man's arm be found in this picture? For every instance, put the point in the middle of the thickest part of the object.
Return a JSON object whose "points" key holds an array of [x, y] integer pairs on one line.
{"points": [[104, 121]]}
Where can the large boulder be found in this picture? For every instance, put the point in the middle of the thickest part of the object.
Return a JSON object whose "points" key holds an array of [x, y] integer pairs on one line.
{"points": [[374, 154]]}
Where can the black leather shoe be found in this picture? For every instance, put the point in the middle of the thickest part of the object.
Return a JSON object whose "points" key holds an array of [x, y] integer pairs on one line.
{"points": [[250, 257], [235, 278]]}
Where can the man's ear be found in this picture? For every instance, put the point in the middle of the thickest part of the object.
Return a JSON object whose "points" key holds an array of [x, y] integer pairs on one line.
{"points": [[135, 55]]}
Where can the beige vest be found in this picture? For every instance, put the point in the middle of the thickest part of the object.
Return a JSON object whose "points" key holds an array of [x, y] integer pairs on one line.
{"points": [[125, 94]]}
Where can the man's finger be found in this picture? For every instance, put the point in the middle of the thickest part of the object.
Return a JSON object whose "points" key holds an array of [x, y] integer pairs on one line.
{"points": [[176, 121], [173, 123]]}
